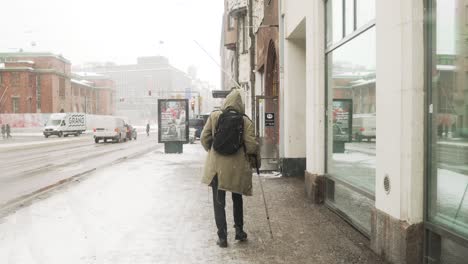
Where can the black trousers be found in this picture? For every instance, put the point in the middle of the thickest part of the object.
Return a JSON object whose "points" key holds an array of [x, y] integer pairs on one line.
{"points": [[219, 205]]}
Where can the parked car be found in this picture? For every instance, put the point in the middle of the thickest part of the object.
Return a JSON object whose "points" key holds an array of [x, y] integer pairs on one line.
{"points": [[131, 132], [197, 124], [111, 128], [364, 127], [65, 124]]}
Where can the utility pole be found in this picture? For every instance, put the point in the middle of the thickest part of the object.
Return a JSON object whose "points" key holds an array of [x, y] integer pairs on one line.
{"points": [[252, 58]]}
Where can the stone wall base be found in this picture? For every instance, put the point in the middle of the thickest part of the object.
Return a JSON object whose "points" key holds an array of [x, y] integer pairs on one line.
{"points": [[395, 240], [315, 187], [293, 167]]}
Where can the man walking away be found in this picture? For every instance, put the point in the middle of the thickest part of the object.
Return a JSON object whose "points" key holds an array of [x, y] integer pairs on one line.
{"points": [[147, 129], [229, 139], [8, 131], [3, 130]]}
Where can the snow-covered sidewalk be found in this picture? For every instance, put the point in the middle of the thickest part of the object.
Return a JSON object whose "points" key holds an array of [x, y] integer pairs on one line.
{"points": [[154, 209]]}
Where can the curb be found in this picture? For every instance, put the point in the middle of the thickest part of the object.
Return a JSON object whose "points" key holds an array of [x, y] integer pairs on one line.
{"points": [[27, 199]]}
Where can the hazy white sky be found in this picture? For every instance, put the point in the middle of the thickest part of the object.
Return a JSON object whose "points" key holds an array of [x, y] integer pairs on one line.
{"points": [[117, 30]]}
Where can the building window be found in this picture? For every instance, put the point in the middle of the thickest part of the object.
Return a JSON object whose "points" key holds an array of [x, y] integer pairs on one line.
{"points": [[76, 91], [244, 31], [346, 16], [231, 21], [15, 80], [38, 92], [15, 102], [62, 87], [97, 102], [351, 104], [365, 12], [448, 126]]}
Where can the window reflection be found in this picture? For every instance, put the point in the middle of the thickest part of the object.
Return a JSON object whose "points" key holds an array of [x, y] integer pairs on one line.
{"points": [[349, 16], [448, 196], [346, 16], [334, 21], [352, 127], [353, 137], [365, 12]]}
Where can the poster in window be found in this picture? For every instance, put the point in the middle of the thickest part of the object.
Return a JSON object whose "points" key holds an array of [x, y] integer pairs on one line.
{"points": [[173, 120], [342, 120]]}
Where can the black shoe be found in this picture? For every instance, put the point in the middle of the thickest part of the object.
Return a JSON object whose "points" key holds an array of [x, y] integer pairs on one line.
{"points": [[222, 242], [240, 234]]}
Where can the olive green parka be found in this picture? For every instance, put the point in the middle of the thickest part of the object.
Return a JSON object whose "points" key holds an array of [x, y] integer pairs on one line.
{"points": [[234, 171]]}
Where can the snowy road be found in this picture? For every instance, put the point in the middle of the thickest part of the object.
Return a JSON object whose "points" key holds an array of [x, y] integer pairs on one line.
{"points": [[153, 209], [25, 170], [115, 215]]}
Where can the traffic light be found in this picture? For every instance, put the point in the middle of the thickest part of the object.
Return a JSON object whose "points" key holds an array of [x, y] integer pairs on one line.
{"points": [[149, 92], [121, 99]]}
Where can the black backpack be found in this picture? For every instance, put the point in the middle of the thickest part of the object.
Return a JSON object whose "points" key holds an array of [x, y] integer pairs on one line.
{"points": [[229, 133]]}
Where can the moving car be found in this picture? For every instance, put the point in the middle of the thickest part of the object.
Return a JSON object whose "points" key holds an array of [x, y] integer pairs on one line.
{"points": [[111, 128], [131, 132], [64, 124]]}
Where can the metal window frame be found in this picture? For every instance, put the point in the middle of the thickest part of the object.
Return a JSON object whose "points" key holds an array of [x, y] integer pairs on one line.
{"points": [[357, 226], [328, 49], [350, 37], [429, 226], [352, 187], [329, 45]]}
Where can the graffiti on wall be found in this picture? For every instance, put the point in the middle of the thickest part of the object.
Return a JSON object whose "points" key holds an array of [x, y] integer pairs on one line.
{"points": [[24, 120]]}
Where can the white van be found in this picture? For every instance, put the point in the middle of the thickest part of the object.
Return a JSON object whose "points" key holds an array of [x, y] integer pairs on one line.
{"points": [[364, 127], [110, 128], [64, 124]]}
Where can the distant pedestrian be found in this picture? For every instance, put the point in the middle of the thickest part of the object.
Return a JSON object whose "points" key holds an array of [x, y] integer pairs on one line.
{"points": [[229, 139], [8, 131], [147, 129], [3, 130]]}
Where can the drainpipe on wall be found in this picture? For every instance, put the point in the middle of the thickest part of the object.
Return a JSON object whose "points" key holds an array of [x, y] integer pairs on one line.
{"points": [[281, 76], [252, 59]]}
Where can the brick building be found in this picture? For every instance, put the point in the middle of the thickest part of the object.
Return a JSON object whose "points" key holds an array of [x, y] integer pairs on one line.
{"points": [[93, 94], [42, 83]]}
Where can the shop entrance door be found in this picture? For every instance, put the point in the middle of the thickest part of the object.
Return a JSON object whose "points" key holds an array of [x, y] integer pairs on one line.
{"points": [[267, 131]]}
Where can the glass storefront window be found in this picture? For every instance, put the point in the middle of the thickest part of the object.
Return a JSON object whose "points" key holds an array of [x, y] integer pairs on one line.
{"points": [[365, 12], [352, 124], [334, 21], [452, 253], [349, 16], [346, 16], [448, 180]]}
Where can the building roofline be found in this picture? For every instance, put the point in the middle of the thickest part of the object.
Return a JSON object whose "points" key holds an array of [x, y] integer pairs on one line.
{"points": [[35, 70], [10, 69], [33, 54]]}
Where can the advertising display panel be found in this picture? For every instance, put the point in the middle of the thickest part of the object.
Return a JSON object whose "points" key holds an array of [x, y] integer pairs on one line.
{"points": [[173, 120], [342, 120]]}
